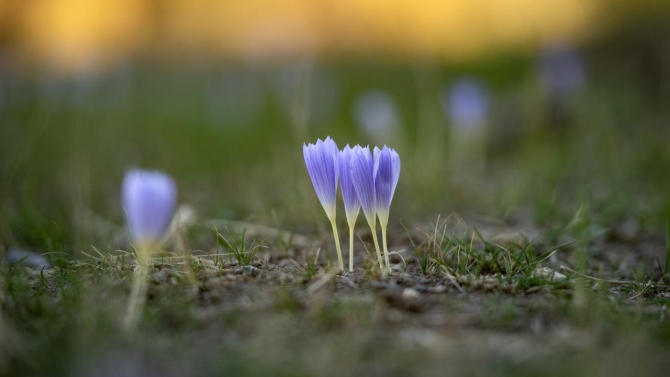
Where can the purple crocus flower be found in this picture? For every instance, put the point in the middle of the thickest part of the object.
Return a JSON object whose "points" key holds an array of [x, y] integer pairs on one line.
{"points": [[149, 199], [322, 161], [351, 204], [362, 177], [386, 173], [363, 180], [467, 103]]}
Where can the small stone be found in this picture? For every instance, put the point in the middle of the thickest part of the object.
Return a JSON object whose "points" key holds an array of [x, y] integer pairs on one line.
{"points": [[378, 285], [420, 288], [437, 289], [549, 273], [347, 281], [286, 262], [410, 294], [160, 276], [251, 271]]}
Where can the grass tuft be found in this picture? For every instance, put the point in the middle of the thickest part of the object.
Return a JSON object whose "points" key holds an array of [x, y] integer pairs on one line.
{"points": [[243, 253]]}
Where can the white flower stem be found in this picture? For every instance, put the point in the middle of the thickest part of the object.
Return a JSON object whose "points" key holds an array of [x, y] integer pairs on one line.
{"points": [[386, 251], [337, 243], [384, 221], [351, 248], [138, 292], [373, 228]]}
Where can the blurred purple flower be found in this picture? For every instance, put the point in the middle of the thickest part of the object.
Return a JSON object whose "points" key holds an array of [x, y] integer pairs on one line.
{"points": [[561, 70], [149, 199], [322, 161], [351, 204], [376, 114], [386, 173], [466, 103]]}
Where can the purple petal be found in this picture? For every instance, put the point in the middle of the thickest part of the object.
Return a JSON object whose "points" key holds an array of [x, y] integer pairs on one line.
{"points": [[351, 203], [386, 174], [363, 180], [322, 161], [149, 199]]}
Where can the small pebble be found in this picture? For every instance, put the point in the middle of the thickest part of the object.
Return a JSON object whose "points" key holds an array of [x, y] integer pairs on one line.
{"points": [[251, 271], [410, 294], [437, 289], [420, 288]]}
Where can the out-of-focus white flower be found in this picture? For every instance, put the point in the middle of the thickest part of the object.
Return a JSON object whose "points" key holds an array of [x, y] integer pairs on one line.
{"points": [[466, 103], [377, 116]]}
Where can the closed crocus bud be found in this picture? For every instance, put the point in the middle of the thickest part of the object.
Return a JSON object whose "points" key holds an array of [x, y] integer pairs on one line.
{"points": [[362, 177], [149, 199], [351, 204], [323, 160], [386, 173]]}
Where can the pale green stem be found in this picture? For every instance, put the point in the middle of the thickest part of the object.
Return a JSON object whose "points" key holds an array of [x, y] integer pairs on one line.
{"points": [[337, 243], [351, 249], [373, 228], [384, 221], [138, 292], [386, 251]]}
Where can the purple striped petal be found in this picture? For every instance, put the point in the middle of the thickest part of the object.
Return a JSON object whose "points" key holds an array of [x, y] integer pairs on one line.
{"points": [[149, 199], [363, 180], [386, 174], [351, 204], [322, 161]]}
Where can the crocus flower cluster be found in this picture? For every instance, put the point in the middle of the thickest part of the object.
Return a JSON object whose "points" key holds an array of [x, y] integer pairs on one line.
{"points": [[368, 182]]}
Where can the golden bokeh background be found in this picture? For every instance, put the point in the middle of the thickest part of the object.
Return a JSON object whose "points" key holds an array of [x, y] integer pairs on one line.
{"points": [[84, 34]]}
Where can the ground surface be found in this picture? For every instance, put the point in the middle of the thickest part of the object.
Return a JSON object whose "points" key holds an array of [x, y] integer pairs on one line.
{"points": [[289, 314]]}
